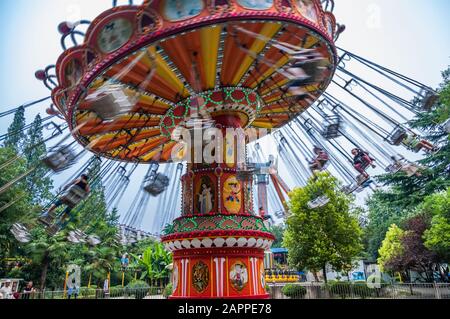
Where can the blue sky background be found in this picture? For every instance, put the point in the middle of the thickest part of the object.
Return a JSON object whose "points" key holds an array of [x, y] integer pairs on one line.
{"points": [[409, 36]]}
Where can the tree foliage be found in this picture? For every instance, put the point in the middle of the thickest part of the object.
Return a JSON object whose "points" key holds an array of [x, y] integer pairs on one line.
{"points": [[16, 131], [278, 232], [437, 237], [155, 261], [38, 184], [405, 194], [328, 235], [391, 247]]}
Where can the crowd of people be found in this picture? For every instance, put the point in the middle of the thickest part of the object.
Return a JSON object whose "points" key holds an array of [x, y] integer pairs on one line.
{"points": [[8, 291]]}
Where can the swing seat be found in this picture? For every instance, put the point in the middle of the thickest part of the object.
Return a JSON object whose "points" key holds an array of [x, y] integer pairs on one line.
{"points": [[429, 100], [292, 52], [93, 240], [364, 185], [411, 169], [312, 166], [280, 214], [297, 78], [397, 136], [393, 168], [62, 159], [361, 179], [47, 219], [446, 126], [296, 95], [110, 102], [21, 233], [74, 196], [53, 230], [319, 202], [314, 69], [349, 189], [76, 237], [157, 185], [331, 127]]}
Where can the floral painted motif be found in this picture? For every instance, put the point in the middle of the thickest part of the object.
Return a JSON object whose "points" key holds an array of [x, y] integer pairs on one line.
{"points": [[200, 277]]}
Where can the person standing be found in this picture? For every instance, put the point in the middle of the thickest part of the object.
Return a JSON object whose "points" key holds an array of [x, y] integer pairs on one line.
{"points": [[106, 289], [6, 290], [28, 290]]}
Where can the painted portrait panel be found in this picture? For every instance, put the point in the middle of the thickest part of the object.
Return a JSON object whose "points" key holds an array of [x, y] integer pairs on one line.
{"points": [[239, 276], [232, 195], [176, 10], [256, 4], [205, 195], [308, 9]]}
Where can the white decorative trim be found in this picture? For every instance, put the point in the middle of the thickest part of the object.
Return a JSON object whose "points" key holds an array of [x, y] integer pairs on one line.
{"points": [[184, 270], [219, 276], [253, 262], [219, 242]]}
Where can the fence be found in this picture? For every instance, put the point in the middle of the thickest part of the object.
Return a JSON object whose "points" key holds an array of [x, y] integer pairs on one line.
{"points": [[277, 291], [89, 293], [345, 290]]}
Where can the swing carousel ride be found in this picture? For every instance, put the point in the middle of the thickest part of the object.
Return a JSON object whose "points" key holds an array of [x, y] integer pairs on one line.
{"points": [[144, 73]]}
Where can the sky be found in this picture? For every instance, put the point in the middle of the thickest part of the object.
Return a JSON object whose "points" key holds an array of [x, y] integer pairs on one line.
{"points": [[408, 36]]}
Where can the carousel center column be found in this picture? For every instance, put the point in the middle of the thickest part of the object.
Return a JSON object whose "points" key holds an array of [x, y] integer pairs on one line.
{"points": [[218, 243]]}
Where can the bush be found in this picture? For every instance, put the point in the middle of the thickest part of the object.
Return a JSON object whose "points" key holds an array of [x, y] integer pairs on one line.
{"points": [[138, 288], [88, 293], [116, 291], [346, 289], [294, 291], [168, 291]]}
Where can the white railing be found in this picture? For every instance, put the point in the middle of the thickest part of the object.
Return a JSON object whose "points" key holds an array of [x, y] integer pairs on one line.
{"points": [[345, 290]]}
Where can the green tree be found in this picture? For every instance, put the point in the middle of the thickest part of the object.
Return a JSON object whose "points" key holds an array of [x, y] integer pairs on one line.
{"points": [[38, 185], [14, 202], [100, 261], [155, 261], [437, 238], [391, 247], [408, 192], [278, 232], [381, 215], [47, 251], [327, 235], [405, 193], [16, 131]]}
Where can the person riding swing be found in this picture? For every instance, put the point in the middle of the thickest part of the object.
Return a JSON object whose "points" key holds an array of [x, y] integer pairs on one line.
{"points": [[361, 162], [76, 192], [416, 144], [321, 160]]}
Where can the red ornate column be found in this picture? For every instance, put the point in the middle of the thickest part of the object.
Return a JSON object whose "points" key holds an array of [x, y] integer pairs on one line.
{"points": [[218, 243]]}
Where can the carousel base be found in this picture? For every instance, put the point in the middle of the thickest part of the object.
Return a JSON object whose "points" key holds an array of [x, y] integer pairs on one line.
{"points": [[225, 273]]}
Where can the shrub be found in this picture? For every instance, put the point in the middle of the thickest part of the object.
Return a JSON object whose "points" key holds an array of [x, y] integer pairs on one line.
{"points": [[346, 289], [168, 291], [88, 293], [138, 288], [294, 291], [116, 291]]}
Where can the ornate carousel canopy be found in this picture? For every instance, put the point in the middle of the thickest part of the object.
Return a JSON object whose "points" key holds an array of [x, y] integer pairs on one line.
{"points": [[156, 63]]}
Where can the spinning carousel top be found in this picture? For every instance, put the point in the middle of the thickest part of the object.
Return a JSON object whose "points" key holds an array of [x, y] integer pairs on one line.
{"points": [[143, 70]]}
